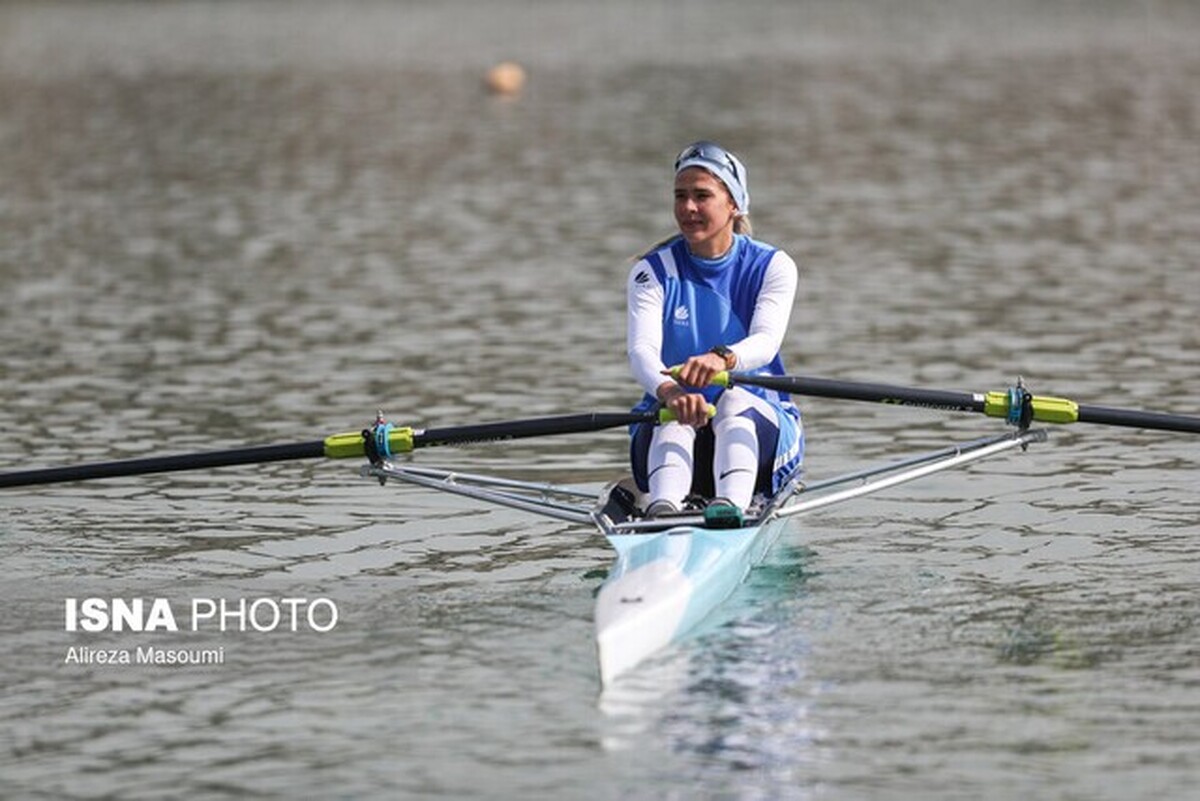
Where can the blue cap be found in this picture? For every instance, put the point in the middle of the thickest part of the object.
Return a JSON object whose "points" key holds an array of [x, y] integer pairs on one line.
{"points": [[721, 163]]}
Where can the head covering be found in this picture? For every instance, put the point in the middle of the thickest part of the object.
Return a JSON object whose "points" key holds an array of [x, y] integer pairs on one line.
{"points": [[721, 163]]}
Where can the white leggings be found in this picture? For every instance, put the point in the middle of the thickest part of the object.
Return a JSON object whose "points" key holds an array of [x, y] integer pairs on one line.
{"points": [[735, 451]]}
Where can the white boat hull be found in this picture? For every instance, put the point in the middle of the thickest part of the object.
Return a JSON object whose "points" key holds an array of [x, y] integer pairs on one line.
{"points": [[664, 584]]}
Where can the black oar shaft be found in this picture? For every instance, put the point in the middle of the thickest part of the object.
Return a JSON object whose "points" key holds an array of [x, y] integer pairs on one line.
{"points": [[341, 445], [872, 393], [519, 429], [1132, 418], [164, 464], [1054, 410]]}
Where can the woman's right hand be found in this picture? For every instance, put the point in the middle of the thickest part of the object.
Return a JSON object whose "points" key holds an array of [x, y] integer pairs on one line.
{"points": [[689, 408]]}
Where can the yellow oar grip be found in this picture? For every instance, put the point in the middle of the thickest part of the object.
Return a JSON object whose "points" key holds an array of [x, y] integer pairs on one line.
{"points": [[350, 444], [721, 379], [1045, 409], [665, 415]]}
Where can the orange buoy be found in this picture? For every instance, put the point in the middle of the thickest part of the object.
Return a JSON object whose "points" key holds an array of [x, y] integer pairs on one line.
{"points": [[506, 78]]}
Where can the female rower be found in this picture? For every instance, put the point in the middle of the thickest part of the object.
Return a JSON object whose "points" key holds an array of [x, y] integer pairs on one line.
{"points": [[707, 300]]}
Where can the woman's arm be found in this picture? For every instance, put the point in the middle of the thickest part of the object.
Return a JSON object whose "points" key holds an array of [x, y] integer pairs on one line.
{"points": [[644, 327], [768, 326]]}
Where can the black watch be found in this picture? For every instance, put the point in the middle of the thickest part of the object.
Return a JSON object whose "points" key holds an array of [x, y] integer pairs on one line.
{"points": [[725, 353]]}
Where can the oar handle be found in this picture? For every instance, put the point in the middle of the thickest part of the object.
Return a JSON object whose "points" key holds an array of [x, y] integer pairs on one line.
{"points": [[859, 391], [394, 439], [499, 432], [1045, 409], [406, 439]]}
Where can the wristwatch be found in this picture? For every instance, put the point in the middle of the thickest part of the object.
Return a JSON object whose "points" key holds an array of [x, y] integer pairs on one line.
{"points": [[728, 355]]}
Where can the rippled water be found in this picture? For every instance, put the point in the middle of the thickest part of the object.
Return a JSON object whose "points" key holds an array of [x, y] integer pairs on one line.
{"points": [[259, 222]]}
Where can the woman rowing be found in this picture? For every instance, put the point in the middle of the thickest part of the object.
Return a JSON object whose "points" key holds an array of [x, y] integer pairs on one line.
{"points": [[707, 300]]}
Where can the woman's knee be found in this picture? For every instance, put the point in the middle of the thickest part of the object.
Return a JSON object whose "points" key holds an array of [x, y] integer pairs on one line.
{"points": [[724, 426], [732, 403]]}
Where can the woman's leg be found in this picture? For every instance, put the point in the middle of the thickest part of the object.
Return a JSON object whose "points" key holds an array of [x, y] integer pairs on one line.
{"points": [[670, 463], [746, 429]]}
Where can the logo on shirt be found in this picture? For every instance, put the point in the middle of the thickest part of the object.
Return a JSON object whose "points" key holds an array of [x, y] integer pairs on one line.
{"points": [[642, 278], [682, 314]]}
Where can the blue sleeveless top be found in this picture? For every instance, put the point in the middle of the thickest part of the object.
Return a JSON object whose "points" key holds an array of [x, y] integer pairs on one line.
{"points": [[709, 303]]}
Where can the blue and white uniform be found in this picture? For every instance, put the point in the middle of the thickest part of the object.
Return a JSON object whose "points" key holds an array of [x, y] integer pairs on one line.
{"points": [[680, 306]]}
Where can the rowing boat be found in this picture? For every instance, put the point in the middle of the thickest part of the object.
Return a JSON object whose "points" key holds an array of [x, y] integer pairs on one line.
{"points": [[672, 572]]}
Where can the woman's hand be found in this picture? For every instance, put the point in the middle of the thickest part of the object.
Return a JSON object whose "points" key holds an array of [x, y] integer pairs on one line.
{"points": [[699, 371], [691, 408]]}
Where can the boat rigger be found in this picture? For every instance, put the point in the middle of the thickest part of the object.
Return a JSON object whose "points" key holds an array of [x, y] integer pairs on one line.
{"points": [[671, 572]]}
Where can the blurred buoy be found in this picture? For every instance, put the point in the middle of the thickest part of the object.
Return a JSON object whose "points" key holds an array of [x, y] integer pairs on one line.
{"points": [[506, 78]]}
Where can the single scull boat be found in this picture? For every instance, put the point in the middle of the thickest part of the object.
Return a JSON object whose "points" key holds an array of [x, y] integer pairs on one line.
{"points": [[670, 573]]}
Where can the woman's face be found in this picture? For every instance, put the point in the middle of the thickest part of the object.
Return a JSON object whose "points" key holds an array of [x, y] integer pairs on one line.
{"points": [[704, 212]]}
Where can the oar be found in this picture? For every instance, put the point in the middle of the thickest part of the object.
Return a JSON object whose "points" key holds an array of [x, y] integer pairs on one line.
{"points": [[993, 404], [381, 440]]}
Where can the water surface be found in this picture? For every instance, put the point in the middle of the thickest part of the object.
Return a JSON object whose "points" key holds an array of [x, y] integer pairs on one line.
{"points": [[242, 223]]}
